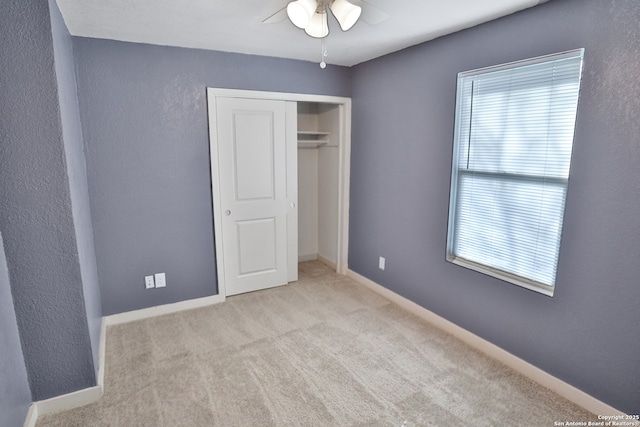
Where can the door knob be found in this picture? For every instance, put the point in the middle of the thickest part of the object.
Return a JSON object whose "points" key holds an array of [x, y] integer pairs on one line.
{"points": [[227, 212], [292, 205]]}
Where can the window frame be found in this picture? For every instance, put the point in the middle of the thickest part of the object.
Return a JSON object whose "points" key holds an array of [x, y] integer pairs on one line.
{"points": [[455, 174]]}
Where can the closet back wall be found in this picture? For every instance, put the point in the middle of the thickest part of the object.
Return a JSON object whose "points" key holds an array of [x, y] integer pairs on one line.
{"points": [[144, 119]]}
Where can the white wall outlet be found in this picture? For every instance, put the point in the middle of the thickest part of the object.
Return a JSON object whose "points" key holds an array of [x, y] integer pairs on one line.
{"points": [[381, 262], [148, 282], [161, 280]]}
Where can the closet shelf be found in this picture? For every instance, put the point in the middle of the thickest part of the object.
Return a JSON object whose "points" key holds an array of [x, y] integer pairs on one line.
{"points": [[313, 132], [311, 143], [312, 138]]}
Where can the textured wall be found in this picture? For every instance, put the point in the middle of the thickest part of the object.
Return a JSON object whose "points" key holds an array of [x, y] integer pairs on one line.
{"points": [[144, 118], [15, 396], [35, 208], [76, 170], [403, 114]]}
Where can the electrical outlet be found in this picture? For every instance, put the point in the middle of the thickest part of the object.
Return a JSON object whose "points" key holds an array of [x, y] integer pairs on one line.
{"points": [[148, 282], [161, 280], [381, 263]]}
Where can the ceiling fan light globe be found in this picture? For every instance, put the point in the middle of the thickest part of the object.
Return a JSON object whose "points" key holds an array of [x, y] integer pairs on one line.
{"points": [[301, 11], [346, 13], [318, 26]]}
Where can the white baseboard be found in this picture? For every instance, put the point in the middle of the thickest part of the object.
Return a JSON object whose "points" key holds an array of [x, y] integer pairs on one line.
{"points": [[32, 416], [145, 313], [69, 400], [91, 394], [317, 257], [102, 352], [327, 262], [75, 399], [88, 395], [307, 257], [532, 372]]}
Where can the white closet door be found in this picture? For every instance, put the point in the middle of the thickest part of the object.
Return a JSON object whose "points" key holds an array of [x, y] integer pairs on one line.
{"points": [[257, 203]]}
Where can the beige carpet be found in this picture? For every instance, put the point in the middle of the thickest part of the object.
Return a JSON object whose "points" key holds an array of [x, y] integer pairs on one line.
{"points": [[323, 351]]}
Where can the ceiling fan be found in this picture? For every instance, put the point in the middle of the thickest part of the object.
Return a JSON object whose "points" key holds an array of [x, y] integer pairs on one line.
{"points": [[313, 15], [347, 13]]}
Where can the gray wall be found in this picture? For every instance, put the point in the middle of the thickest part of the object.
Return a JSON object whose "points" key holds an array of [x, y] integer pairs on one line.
{"points": [[15, 396], [403, 114], [77, 174], [144, 118], [35, 208]]}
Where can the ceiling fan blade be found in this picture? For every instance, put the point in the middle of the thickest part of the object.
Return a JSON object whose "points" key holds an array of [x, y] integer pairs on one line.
{"points": [[277, 17], [371, 14]]}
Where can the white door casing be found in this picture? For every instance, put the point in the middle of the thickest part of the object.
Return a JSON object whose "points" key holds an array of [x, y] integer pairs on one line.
{"points": [[216, 94], [259, 221]]}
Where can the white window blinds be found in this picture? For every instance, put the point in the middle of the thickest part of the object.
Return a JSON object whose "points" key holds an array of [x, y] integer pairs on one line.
{"points": [[512, 152]]}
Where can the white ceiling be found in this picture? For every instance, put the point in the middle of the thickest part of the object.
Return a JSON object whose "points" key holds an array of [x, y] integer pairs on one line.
{"points": [[236, 25]]}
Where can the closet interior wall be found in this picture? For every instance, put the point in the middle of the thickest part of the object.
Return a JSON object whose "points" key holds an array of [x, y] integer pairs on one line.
{"points": [[318, 172]]}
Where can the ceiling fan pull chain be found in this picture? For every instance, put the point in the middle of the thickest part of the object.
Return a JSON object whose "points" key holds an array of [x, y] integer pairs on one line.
{"points": [[323, 42], [323, 48]]}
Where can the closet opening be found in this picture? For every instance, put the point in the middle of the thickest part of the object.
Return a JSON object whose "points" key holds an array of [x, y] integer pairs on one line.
{"points": [[319, 142]]}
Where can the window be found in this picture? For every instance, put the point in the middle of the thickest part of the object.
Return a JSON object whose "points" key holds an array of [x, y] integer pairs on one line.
{"points": [[512, 151]]}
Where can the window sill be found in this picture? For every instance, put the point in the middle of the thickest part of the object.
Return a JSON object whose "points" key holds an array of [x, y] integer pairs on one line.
{"points": [[502, 275]]}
